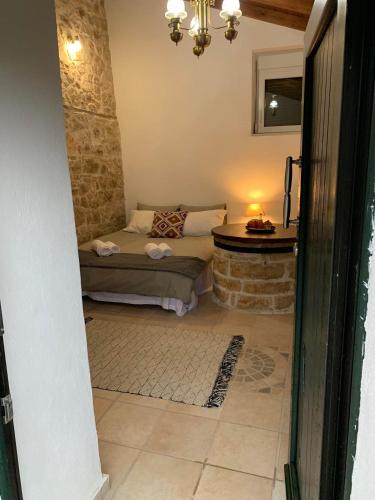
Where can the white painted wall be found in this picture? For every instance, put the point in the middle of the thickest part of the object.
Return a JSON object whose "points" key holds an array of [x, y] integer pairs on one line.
{"points": [[40, 284], [186, 123], [363, 485]]}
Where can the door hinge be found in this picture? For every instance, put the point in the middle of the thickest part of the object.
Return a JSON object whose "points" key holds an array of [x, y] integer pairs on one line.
{"points": [[7, 404]]}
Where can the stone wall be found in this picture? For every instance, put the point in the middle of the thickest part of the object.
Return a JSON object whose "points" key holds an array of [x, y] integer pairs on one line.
{"points": [[92, 131], [261, 283]]}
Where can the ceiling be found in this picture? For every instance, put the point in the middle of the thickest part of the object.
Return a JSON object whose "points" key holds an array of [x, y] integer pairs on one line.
{"points": [[286, 87], [290, 13]]}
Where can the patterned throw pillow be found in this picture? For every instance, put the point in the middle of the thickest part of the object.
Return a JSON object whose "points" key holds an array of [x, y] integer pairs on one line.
{"points": [[168, 225]]}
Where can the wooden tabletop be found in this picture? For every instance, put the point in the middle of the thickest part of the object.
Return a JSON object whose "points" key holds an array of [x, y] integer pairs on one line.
{"points": [[238, 233]]}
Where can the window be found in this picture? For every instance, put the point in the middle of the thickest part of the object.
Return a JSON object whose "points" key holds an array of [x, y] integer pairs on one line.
{"points": [[279, 92]]}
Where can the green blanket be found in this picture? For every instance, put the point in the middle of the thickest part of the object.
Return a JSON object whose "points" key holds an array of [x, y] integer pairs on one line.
{"points": [[191, 267]]}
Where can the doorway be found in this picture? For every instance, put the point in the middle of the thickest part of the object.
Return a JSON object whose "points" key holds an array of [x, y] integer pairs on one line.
{"points": [[353, 211]]}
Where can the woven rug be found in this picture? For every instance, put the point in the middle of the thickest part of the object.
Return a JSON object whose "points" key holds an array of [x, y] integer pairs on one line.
{"points": [[185, 365]]}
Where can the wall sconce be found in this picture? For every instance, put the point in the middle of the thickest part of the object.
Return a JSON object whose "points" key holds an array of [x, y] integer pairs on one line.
{"points": [[73, 48]]}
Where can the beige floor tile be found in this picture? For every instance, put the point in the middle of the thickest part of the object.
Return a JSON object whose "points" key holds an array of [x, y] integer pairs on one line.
{"points": [[156, 477], [245, 449], [100, 393], [286, 320], [274, 331], [185, 431], [100, 407], [196, 411], [144, 401], [182, 436], [128, 424], [209, 320], [279, 491], [282, 456], [246, 331], [285, 420], [116, 462], [222, 484], [239, 318], [252, 408]]}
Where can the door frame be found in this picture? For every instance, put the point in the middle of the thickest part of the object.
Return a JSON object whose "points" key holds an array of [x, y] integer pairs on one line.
{"points": [[10, 482], [343, 357]]}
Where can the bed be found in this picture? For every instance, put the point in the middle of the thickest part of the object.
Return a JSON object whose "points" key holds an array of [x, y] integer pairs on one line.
{"points": [[131, 277]]}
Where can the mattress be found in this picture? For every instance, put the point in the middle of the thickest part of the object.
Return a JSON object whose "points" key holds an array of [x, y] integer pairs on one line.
{"points": [[150, 283]]}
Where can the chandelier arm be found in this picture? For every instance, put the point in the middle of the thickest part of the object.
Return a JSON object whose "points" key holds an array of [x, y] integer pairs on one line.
{"points": [[218, 27]]}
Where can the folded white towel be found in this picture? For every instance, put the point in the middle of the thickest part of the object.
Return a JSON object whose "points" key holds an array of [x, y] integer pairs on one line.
{"points": [[154, 251], [104, 249], [166, 249]]}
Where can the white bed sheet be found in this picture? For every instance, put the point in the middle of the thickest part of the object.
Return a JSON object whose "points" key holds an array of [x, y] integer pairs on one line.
{"points": [[202, 285]]}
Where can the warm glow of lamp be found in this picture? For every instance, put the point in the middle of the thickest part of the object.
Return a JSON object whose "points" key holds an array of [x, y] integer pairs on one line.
{"points": [[255, 195], [231, 8], [176, 9], [73, 48], [255, 210]]}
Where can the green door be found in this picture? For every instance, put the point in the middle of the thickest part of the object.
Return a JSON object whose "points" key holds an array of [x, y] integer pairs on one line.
{"points": [[338, 96], [9, 477], [320, 165]]}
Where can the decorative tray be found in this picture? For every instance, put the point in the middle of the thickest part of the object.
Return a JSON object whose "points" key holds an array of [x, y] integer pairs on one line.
{"points": [[267, 230]]}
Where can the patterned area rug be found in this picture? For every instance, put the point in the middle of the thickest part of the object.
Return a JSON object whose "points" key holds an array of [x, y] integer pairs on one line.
{"points": [[189, 366]]}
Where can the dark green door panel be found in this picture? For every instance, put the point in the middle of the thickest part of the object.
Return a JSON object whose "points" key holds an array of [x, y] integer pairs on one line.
{"points": [[338, 99], [7, 487], [318, 266], [10, 488]]}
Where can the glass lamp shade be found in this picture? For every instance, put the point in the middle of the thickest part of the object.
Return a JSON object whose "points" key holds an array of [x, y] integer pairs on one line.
{"points": [[254, 210], [176, 9], [230, 8], [194, 26]]}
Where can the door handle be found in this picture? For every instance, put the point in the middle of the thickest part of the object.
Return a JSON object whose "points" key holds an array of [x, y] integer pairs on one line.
{"points": [[288, 181]]}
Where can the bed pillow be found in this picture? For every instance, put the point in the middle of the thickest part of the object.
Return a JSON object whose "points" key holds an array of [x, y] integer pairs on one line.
{"points": [[203, 208], [140, 221], [202, 223], [155, 208], [168, 224]]}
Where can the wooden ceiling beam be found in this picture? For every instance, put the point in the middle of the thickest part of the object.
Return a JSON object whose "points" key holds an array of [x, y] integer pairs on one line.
{"points": [[290, 13]]}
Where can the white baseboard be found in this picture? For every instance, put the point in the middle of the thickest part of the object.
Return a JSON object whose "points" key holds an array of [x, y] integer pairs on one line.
{"points": [[103, 488]]}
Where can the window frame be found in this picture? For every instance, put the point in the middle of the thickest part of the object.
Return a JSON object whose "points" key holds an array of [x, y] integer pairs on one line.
{"points": [[280, 64]]}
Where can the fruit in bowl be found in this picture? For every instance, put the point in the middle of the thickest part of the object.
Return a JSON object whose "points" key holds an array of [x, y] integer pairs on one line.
{"points": [[260, 225]]}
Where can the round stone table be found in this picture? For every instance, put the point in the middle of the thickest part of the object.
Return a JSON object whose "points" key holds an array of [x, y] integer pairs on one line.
{"points": [[254, 271]]}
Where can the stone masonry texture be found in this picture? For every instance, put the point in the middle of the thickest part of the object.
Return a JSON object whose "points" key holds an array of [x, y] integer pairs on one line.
{"points": [[92, 131], [260, 283]]}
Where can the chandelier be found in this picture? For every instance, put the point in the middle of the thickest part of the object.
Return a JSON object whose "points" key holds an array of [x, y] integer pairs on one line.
{"points": [[201, 22]]}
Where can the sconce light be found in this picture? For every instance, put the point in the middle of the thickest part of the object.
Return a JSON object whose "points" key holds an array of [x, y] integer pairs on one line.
{"points": [[73, 48]]}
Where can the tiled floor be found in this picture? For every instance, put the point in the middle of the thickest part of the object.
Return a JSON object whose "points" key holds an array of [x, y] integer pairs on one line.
{"points": [[161, 450]]}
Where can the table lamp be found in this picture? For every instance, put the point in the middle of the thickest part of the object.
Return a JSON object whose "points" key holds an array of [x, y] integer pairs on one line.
{"points": [[255, 211]]}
